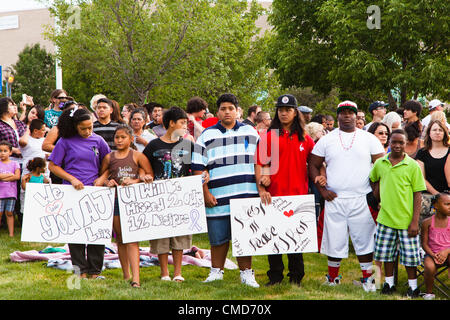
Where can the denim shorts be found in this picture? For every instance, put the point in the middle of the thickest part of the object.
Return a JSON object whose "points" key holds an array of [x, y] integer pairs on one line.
{"points": [[219, 230], [7, 205]]}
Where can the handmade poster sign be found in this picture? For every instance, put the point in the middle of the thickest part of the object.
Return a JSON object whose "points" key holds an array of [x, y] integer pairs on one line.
{"points": [[287, 225], [61, 214], [162, 209]]}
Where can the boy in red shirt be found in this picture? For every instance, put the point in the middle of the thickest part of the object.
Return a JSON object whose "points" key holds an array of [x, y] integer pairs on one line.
{"points": [[281, 159]]}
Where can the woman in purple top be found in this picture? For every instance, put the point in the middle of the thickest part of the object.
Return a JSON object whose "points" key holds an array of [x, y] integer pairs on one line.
{"points": [[76, 159]]}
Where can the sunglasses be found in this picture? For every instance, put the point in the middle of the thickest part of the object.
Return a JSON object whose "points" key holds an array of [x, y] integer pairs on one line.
{"points": [[66, 104], [383, 133], [61, 98]]}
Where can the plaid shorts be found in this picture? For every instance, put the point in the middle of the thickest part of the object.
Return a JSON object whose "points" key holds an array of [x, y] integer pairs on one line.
{"points": [[388, 241], [7, 205]]}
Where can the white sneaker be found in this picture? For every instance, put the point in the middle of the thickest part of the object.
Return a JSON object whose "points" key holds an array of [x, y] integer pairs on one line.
{"points": [[248, 278], [428, 296], [332, 282], [369, 285], [214, 274]]}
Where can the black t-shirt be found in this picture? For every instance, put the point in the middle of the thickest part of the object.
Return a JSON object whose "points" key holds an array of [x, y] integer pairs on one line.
{"points": [[169, 160], [434, 169]]}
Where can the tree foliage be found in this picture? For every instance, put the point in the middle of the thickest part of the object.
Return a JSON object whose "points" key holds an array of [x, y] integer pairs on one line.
{"points": [[34, 75], [162, 50], [327, 43]]}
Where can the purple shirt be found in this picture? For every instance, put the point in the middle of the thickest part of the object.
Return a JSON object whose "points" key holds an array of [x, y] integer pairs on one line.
{"points": [[80, 157], [8, 189]]}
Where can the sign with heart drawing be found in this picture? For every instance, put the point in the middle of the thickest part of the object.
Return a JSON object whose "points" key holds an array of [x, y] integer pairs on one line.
{"points": [[287, 225], [61, 214]]}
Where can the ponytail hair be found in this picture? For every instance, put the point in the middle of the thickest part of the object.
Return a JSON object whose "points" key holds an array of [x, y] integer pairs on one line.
{"points": [[69, 119], [36, 162], [129, 131], [437, 196]]}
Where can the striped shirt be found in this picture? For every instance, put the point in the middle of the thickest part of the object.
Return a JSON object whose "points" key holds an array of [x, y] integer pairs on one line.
{"points": [[228, 155], [106, 131]]}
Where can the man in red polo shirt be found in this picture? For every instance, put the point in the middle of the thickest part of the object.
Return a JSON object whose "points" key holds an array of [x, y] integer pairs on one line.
{"points": [[281, 159]]}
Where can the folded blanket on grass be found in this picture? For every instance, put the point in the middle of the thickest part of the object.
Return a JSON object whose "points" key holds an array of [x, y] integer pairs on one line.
{"points": [[59, 257]]}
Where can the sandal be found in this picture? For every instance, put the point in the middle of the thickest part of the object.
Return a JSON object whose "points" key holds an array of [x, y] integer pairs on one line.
{"points": [[178, 279], [135, 284], [165, 278]]}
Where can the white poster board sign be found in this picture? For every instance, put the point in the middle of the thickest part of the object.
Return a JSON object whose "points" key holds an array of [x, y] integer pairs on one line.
{"points": [[287, 225], [60, 214], [162, 209]]}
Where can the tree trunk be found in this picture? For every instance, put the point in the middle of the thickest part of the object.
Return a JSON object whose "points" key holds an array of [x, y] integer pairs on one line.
{"points": [[403, 95], [391, 101]]}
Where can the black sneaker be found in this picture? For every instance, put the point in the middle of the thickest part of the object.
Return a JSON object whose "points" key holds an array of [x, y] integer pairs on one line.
{"points": [[413, 293], [294, 281], [272, 283], [387, 289]]}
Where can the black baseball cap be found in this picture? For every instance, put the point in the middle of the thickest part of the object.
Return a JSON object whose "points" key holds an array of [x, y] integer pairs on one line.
{"points": [[377, 104], [286, 100]]}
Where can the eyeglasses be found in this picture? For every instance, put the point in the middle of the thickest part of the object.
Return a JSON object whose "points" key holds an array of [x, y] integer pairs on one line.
{"points": [[383, 133], [61, 98]]}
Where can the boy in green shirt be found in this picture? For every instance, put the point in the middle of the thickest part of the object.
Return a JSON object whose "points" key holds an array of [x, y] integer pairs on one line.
{"points": [[400, 183]]}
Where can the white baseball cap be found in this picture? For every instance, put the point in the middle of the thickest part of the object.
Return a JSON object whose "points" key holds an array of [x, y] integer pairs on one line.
{"points": [[434, 103]]}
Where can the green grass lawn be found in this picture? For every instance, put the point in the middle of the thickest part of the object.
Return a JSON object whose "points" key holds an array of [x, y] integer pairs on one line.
{"points": [[34, 280]]}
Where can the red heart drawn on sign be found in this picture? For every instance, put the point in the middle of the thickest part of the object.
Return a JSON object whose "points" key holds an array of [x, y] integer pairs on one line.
{"points": [[54, 207], [289, 214]]}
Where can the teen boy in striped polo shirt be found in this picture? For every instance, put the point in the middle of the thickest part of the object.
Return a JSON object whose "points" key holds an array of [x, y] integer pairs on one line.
{"points": [[226, 151]]}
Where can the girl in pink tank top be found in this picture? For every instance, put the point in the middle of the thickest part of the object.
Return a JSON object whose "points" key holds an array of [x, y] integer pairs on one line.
{"points": [[125, 166], [436, 240]]}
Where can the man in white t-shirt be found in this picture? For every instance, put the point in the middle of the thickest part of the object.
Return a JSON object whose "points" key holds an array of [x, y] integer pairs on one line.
{"points": [[348, 153], [31, 147], [433, 105]]}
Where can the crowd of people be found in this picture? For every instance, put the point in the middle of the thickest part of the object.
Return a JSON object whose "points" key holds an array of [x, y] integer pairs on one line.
{"points": [[383, 184]]}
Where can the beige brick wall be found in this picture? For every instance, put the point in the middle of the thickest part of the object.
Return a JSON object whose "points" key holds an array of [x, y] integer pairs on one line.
{"points": [[30, 31]]}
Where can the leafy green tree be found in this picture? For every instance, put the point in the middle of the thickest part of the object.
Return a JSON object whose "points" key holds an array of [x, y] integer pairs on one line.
{"points": [[332, 43], [162, 50], [34, 75]]}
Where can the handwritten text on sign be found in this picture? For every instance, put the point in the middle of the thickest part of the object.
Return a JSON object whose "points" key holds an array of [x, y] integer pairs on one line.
{"points": [[288, 225], [61, 214], [162, 209]]}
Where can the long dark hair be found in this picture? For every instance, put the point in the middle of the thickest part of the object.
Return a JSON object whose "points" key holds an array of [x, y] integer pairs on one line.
{"points": [[69, 119], [374, 126], [4, 105], [40, 113], [297, 127]]}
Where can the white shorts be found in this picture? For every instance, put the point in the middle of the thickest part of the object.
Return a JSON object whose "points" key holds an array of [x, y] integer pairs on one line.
{"points": [[344, 217]]}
